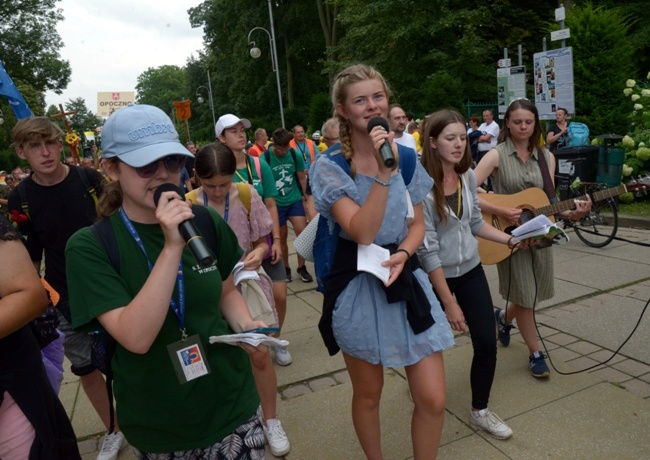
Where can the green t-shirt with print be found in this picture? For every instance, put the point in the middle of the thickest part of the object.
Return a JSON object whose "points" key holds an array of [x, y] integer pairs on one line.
{"points": [[265, 187], [156, 412], [284, 170]]}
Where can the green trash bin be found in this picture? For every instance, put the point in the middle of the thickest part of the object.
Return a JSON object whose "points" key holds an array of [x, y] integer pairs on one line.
{"points": [[610, 165]]}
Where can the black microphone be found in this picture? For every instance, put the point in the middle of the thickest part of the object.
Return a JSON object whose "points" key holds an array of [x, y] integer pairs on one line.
{"points": [[188, 230], [385, 151]]}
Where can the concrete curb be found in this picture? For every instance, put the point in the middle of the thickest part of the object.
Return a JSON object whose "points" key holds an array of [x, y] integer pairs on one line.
{"points": [[634, 222]]}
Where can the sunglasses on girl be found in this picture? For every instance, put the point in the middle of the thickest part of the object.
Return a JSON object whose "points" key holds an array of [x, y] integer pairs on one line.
{"points": [[173, 163]]}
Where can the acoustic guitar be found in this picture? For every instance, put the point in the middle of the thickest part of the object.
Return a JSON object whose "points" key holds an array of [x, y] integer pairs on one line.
{"points": [[534, 202]]}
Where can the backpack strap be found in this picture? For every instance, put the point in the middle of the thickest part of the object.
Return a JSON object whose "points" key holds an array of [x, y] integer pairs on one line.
{"points": [[258, 168], [103, 232], [22, 196], [267, 157], [87, 185], [205, 226], [245, 197], [407, 162], [193, 198]]}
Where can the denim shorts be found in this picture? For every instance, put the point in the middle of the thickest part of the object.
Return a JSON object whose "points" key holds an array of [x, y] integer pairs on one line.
{"points": [[295, 210]]}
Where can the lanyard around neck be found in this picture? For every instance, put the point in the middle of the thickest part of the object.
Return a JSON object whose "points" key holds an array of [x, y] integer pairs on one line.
{"points": [[225, 213], [178, 309]]}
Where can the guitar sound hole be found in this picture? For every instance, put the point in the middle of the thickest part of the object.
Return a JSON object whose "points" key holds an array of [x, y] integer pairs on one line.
{"points": [[526, 216]]}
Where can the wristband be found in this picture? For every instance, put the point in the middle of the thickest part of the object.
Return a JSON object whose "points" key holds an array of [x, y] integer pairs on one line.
{"points": [[510, 241], [408, 256], [381, 182], [276, 238]]}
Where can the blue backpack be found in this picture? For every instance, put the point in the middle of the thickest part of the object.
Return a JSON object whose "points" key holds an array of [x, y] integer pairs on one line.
{"points": [[324, 242], [578, 134]]}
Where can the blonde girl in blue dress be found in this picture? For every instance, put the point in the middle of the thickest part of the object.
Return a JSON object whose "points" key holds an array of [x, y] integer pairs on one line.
{"points": [[370, 205]]}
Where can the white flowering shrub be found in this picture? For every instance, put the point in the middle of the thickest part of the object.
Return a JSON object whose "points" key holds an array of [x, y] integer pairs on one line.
{"points": [[637, 155]]}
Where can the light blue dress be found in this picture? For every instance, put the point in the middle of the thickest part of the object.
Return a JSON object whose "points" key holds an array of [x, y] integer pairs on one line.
{"points": [[365, 325]]}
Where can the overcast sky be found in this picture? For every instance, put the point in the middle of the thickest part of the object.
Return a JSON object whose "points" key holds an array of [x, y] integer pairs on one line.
{"points": [[110, 43]]}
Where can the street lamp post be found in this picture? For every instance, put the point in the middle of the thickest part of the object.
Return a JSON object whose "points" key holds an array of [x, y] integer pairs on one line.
{"points": [[256, 53], [201, 100]]}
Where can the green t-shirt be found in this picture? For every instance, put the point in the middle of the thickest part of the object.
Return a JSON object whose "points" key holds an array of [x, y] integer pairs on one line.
{"points": [[265, 187], [156, 412], [284, 170]]}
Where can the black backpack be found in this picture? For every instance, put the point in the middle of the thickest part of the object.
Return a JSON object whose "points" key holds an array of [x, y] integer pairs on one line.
{"points": [[103, 345], [90, 191]]}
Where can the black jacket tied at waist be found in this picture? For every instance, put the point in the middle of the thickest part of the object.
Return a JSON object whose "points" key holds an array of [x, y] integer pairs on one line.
{"points": [[405, 288]]}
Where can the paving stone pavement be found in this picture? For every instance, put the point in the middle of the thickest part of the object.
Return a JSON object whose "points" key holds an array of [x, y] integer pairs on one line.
{"points": [[594, 405]]}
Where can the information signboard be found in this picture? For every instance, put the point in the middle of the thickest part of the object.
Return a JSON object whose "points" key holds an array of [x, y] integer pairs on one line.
{"points": [[511, 84], [553, 78]]}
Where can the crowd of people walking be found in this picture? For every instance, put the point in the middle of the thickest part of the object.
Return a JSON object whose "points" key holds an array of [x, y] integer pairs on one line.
{"points": [[112, 246]]}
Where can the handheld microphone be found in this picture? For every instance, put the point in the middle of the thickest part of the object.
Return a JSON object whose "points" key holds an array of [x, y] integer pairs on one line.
{"points": [[188, 231], [385, 151]]}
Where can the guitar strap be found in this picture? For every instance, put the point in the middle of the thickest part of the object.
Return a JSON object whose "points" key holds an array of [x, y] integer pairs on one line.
{"points": [[549, 189]]}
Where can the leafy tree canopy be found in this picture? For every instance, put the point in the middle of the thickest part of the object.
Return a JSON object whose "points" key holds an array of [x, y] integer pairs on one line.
{"points": [[603, 58], [162, 86], [30, 44]]}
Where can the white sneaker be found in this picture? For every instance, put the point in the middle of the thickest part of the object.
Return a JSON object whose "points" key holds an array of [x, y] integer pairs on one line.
{"points": [[490, 422], [112, 445], [282, 355], [276, 437]]}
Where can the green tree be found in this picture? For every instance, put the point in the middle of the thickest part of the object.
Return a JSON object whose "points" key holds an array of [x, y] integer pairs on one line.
{"points": [[30, 44], [603, 58], [161, 87], [29, 49], [637, 14], [247, 86], [83, 120], [439, 53]]}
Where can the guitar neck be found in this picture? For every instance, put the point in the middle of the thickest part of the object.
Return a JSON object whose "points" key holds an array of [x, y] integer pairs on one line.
{"points": [[568, 205]]}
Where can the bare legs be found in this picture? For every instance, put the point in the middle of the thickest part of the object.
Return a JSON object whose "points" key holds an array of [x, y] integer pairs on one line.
{"points": [[427, 383], [367, 383], [298, 223], [94, 386], [266, 382], [525, 324]]}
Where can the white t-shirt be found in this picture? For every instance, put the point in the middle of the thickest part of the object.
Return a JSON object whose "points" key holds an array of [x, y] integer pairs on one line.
{"points": [[492, 128], [407, 140]]}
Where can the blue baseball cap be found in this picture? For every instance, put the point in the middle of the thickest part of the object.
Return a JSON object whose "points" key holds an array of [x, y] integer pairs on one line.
{"points": [[139, 135]]}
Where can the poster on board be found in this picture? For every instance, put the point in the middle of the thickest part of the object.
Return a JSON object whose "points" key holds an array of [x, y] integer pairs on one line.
{"points": [[553, 82], [511, 85]]}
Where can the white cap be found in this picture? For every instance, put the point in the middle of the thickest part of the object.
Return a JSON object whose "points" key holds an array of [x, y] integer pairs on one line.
{"points": [[228, 121]]}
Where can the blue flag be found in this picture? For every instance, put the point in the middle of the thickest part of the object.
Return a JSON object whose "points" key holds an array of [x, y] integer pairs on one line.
{"points": [[8, 89]]}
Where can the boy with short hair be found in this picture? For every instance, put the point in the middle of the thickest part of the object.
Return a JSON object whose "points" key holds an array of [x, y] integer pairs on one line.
{"points": [[289, 173]]}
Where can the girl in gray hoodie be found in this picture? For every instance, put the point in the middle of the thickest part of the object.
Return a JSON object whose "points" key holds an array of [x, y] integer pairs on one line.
{"points": [[450, 254]]}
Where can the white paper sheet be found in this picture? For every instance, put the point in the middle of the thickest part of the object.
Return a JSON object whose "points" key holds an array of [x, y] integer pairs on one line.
{"points": [[369, 259]]}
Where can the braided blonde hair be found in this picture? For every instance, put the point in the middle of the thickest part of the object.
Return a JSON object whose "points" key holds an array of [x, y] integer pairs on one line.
{"points": [[343, 79]]}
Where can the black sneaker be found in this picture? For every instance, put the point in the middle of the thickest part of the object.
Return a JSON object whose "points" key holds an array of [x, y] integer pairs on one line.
{"points": [[537, 365], [304, 274], [287, 270]]}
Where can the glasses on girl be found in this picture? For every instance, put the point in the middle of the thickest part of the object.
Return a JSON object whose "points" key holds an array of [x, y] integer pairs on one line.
{"points": [[173, 163]]}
